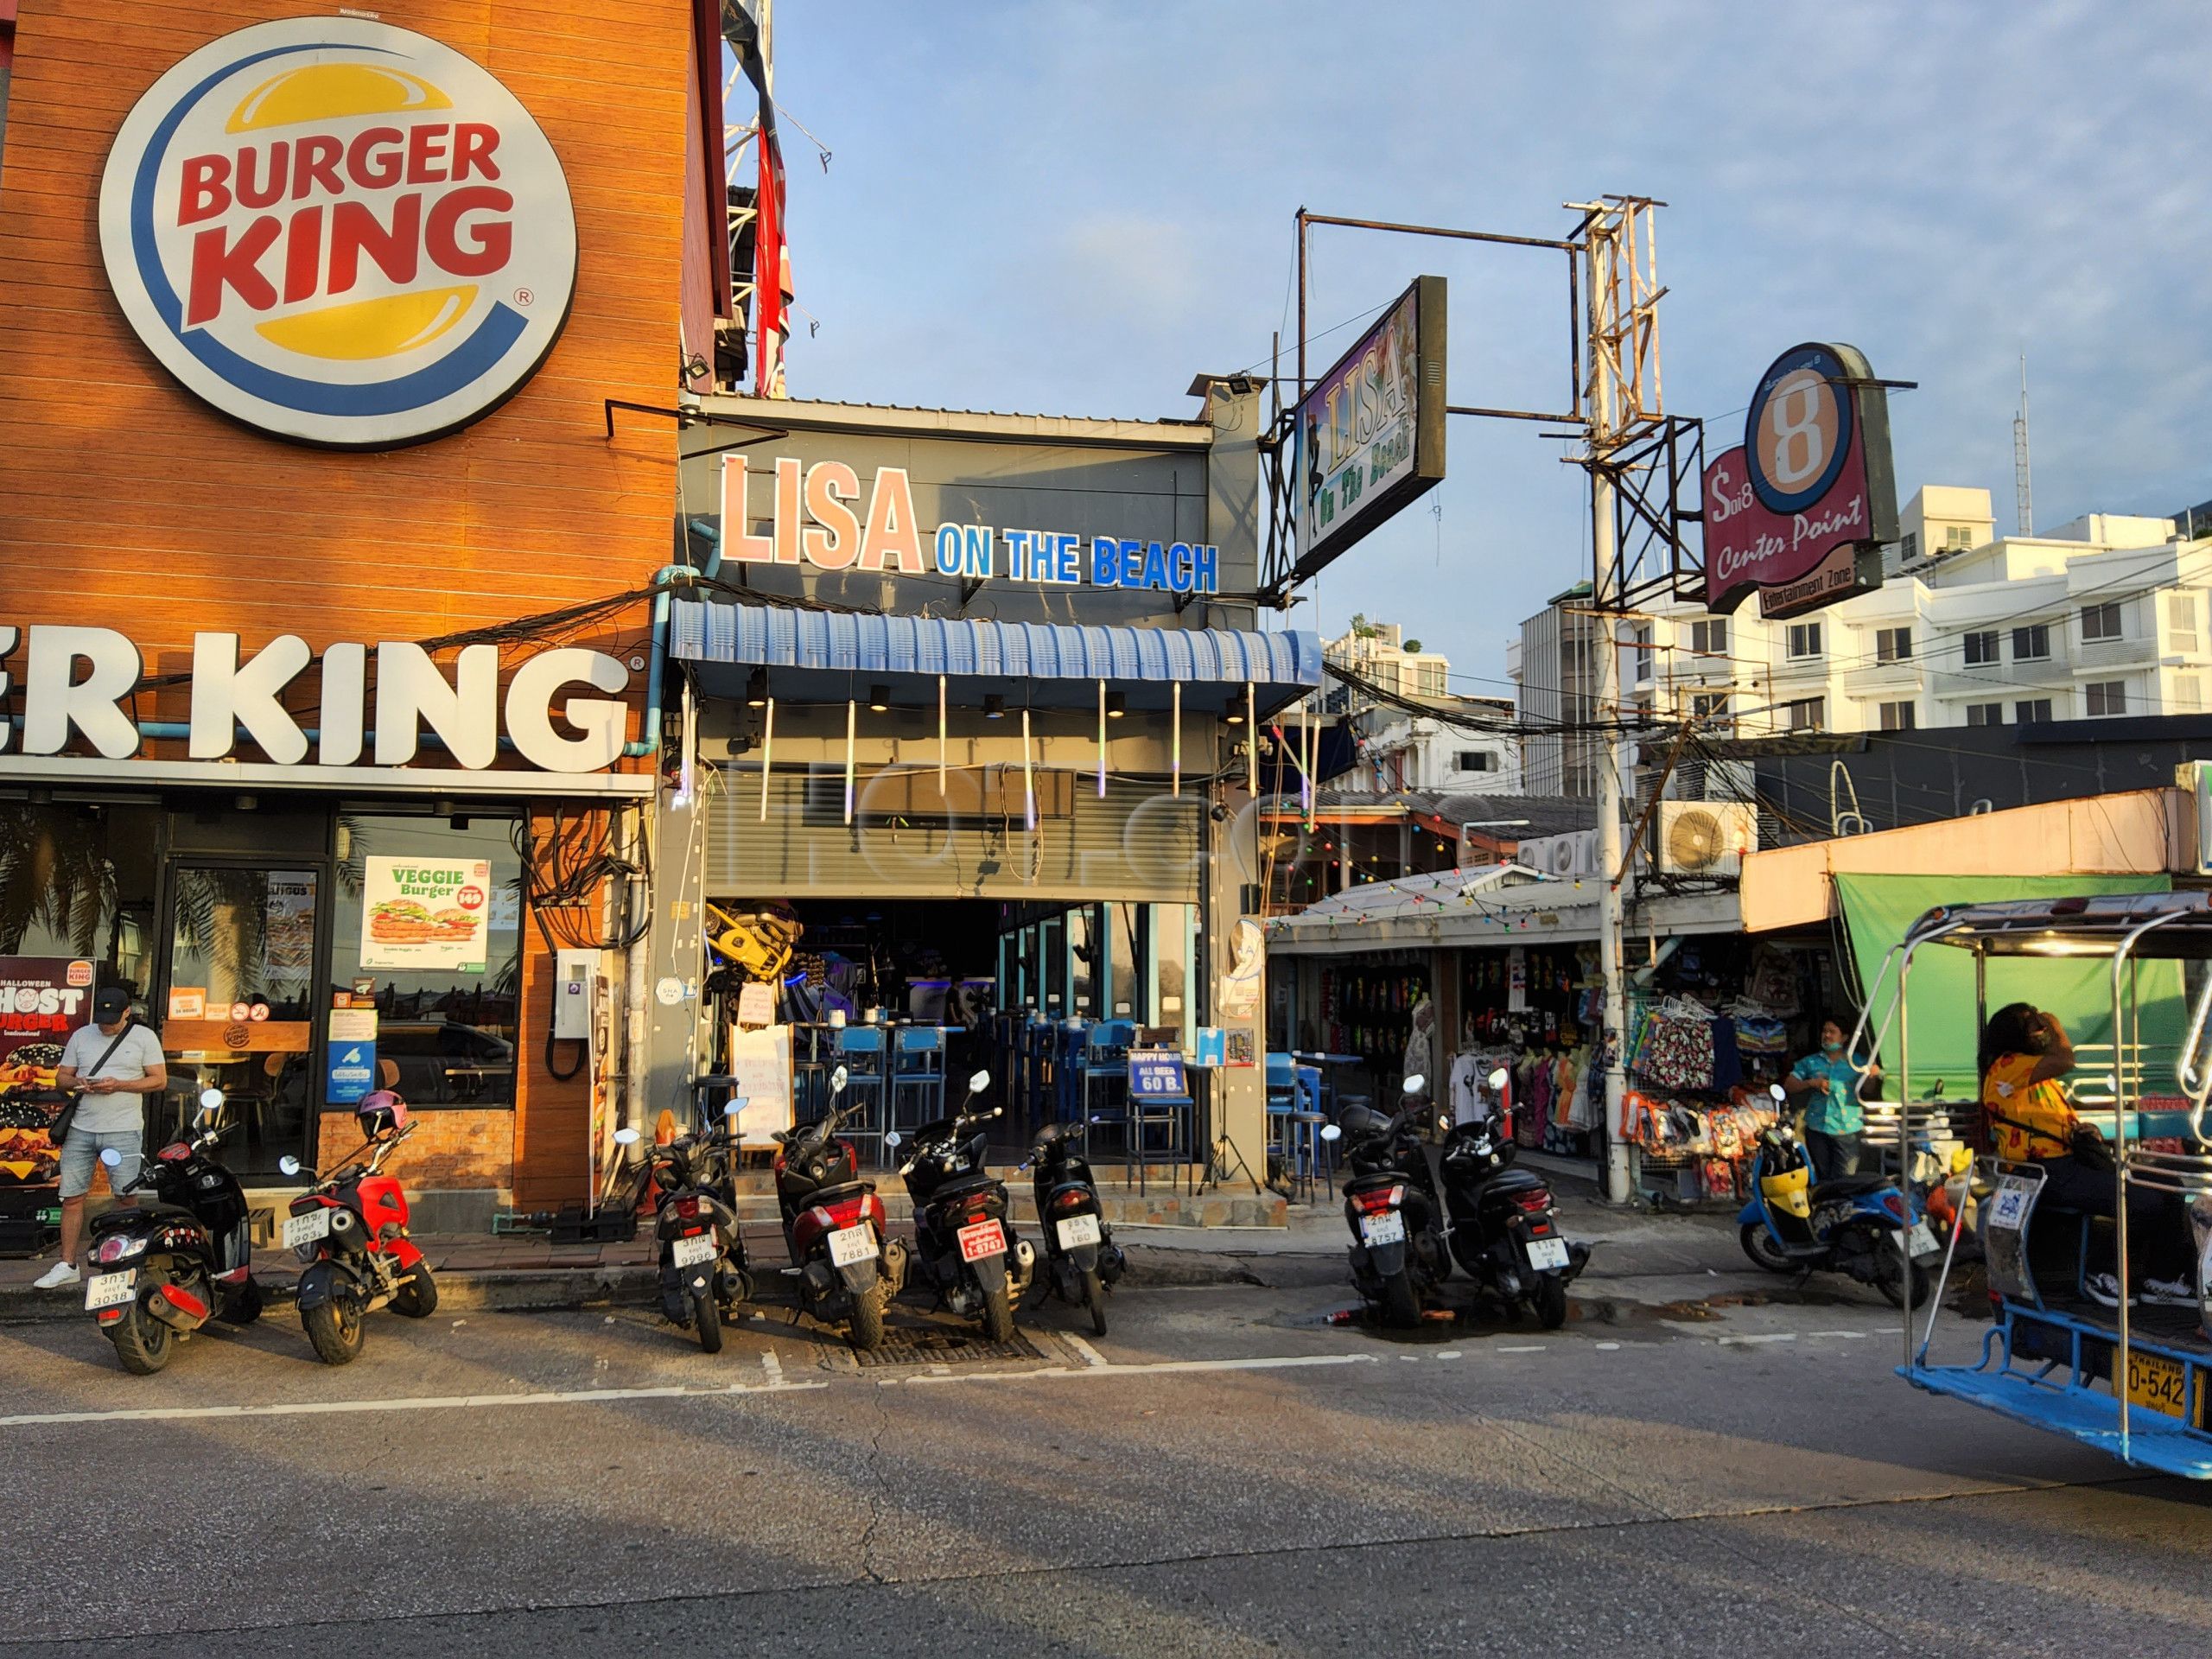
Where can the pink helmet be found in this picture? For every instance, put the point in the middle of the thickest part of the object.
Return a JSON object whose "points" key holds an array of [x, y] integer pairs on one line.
{"points": [[382, 1112]]}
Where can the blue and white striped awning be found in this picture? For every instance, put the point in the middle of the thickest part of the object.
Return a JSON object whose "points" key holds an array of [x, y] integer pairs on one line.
{"points": [[1279, 666]]}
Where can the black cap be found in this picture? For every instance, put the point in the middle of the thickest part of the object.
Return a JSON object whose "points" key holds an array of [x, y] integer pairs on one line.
{"points": [[112, 1002]]}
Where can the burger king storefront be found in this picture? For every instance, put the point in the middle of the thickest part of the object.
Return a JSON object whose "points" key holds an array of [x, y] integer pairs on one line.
{"points": [[334, 509]]}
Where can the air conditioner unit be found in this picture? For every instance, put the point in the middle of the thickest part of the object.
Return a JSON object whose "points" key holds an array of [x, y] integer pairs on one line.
{"points": [[1706, 837], [1574, 855]]}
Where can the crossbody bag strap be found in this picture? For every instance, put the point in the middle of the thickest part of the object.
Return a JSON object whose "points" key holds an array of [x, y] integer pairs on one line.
{"points": [[108, 1053], [2029, 1130]]}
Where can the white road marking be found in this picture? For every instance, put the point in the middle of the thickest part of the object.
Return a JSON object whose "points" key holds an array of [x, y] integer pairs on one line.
{"points": [[1537, 1349], [429, 1403], [1849, 1336], [1091, 1355], [1449, 1353], [1746, 1342], [772, 1365], [1156, 1367], [1607, 1347]]}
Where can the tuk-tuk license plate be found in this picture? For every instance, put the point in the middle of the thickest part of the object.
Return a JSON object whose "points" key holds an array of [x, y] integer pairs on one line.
{"points": [[979, 1239], [848, 1245], [1388, 1228], [2157, 1382], [306, 1227], [1547, 1253], [690, 1252], [1078, 1229], [108, 1289]]}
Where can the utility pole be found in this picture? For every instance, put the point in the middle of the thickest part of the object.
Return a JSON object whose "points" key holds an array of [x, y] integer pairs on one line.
{"points": [[2024, 500], [1621, 403]]}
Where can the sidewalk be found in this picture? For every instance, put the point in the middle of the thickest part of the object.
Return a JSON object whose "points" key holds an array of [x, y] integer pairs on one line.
{"points": [[1637, 1257]]}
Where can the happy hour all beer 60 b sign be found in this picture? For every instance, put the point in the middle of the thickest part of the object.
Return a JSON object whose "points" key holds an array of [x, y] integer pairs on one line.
{"points": [[1800, 512], [339, 232]]}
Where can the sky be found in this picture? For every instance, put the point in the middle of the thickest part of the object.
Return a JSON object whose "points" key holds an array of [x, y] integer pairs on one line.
{"points": [[1072, 208]]}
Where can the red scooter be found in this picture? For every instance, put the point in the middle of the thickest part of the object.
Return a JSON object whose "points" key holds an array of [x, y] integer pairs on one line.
{"points": [[350, 1230]]}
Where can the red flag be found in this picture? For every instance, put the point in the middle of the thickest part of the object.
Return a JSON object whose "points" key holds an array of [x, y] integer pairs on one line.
{"points": [[768, 271]]}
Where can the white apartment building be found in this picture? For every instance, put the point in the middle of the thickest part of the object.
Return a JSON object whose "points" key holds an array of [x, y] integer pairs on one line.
{"points": [[1396, 749], [2103, 618]]}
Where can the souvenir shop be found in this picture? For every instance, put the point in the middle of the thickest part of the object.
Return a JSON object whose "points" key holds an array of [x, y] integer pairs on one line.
{"points": [[1723, 1018], [1534, 1011]]}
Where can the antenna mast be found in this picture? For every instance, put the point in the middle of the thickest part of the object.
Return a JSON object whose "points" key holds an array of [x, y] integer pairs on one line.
{"points": [[2024, 496]]}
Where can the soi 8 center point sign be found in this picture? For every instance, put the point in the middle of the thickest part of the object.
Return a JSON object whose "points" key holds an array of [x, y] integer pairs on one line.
{"points": [[1799, 513], [339, 232]]}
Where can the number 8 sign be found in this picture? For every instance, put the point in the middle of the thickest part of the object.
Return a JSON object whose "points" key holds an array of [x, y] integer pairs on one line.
{"points": [[1797, 431]]}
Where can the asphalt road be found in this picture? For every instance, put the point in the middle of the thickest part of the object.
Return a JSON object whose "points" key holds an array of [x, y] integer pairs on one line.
{"points": [[1225, 1474]]}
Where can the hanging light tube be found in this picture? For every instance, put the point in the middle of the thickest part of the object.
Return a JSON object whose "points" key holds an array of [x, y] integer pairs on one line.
{"points": [[1028, 779], [1175, 724], [1102, 740], [940, 736], [1252, 737], [768, 755], [852, 732]]}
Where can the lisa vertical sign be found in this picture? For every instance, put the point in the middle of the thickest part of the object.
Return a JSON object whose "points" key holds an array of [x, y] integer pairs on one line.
{"points": [[425, 913]]}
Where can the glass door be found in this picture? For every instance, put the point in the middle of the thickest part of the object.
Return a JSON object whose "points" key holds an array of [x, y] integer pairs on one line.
{"points": [[239, 1005]]}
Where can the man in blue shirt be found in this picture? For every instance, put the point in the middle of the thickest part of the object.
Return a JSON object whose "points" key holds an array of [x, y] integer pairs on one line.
{"points": [[1826, 1084]]}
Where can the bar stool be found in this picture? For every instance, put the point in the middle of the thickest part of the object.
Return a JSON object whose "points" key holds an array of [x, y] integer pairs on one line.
{"points": [[917, 1076], [861, 1051]]}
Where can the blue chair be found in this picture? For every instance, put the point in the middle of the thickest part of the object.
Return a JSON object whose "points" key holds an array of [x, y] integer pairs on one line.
{"points": [[861, 1051], [1104, 1063], [917, 1076]]}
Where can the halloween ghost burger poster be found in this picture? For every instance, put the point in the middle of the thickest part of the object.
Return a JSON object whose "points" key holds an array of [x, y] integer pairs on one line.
{"points": [[425, 914]]}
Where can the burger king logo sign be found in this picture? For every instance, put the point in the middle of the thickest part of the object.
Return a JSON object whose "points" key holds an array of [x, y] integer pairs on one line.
{"points": [[339, 232]]}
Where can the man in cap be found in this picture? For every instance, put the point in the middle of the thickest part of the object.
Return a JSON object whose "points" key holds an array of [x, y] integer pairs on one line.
{"points": [[111, 1063]]}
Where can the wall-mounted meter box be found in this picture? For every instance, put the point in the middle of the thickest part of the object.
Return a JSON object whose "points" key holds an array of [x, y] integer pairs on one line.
{"points": [[574, 972]]}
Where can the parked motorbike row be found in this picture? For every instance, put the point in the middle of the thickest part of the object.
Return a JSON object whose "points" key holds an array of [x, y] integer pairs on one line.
{"points": [[844, 1262], [162, 1271], [1413, 1219]]}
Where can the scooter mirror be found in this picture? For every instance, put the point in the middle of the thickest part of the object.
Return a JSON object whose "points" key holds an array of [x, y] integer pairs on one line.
{"points": [[980, 1082], [998, 1112], [112, 1157], [1778, 1092], [288, 1165], [838, 1079], [1937, 1092], [894, 1140], [627, 1137], [1444, 1123], [736, 1107], [1331, 1132], [210, 1099], [1415, 1083], [1498, 1079]]}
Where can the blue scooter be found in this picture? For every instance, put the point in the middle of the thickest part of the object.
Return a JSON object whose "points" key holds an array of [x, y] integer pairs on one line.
{"points": [[1794, 1224]]}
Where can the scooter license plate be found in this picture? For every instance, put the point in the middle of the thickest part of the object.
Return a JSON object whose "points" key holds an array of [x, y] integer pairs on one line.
{"points": [[690, 1252], [306, 1228], [1547, 1253], [848, 1245], [108, 1289], [1078, 1229], [1923, 1239], [1388, 1228], [981, 1238]]}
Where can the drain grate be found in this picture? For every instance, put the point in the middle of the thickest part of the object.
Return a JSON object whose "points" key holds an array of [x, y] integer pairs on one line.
{"points": [[943, 1348]]}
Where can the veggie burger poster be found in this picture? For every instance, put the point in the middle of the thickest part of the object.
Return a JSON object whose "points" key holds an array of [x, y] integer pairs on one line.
{"points": [[416, 915]]}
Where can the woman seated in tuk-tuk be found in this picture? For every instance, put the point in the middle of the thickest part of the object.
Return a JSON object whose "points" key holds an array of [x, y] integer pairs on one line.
{"points": [[2024, 1053]]}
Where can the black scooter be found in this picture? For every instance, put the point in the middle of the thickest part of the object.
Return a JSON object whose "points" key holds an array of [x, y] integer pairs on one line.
{"points": [[1398, 1251], [703, 1279], [835, 1224], [1081, 1259], [1504, 1224], [160, 1271], [964, 1249]]}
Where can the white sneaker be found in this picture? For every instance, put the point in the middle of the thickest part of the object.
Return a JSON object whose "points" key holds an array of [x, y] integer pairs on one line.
{"points": [[2168, 1293], [55, 1277], [2105, 1289]]}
